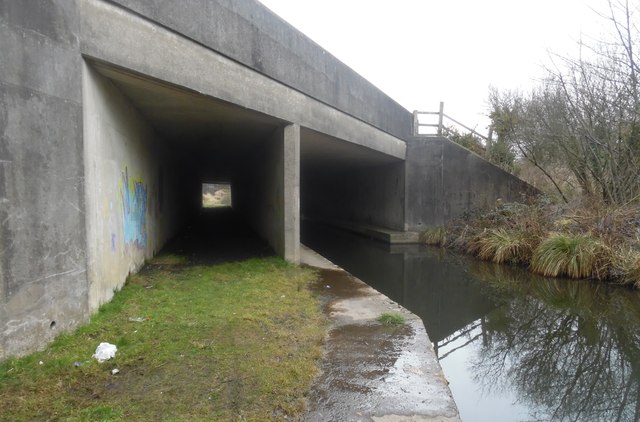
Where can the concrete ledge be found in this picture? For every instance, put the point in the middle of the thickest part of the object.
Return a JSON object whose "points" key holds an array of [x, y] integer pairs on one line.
{"points": [[373, 372], [393, 237]]}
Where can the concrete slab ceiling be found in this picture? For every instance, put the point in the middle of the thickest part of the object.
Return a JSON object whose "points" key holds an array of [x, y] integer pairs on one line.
{"points": [[198, 124]]}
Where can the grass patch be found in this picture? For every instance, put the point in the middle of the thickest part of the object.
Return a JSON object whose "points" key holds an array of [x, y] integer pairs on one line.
{"points": [[391, 318], [235, 341], [574, 256]]}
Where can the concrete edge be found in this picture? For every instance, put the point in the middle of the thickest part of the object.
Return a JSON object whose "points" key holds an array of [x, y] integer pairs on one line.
{"points": [[393, 237], [417, 368]]}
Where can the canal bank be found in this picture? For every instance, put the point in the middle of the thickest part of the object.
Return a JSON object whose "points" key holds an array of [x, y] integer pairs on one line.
{"points": [[370, 371], [514, 346]]}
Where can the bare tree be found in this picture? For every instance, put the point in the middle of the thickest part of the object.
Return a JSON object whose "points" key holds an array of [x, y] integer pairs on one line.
{"points": [[585, 113]]}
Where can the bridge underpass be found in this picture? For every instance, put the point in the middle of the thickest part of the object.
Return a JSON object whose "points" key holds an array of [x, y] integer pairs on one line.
{"points": [[154, 143], [112, 114]]}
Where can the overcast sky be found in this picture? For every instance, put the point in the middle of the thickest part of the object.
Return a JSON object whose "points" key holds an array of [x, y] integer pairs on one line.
{"points": [[421, 52]]}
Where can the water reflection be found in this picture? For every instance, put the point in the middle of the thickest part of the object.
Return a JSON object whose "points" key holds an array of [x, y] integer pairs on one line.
{"points": [[509, 341], [569, 349]]}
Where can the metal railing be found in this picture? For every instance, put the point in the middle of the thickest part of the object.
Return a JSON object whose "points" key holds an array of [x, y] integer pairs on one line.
{"points": [[441, 128]]}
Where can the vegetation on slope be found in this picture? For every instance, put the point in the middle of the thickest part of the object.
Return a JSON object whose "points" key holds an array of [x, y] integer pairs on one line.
{"points": [[599, 242], [576, 137]]}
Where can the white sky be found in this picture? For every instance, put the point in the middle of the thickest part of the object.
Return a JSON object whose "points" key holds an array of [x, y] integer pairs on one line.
{"points": [[421, 52]]}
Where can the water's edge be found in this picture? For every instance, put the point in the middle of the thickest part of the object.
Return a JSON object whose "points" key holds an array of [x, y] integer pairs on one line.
{"points": [[371, 371]]}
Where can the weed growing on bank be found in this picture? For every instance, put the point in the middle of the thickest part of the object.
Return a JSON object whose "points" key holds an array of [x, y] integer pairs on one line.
{"points": [[594, 241], [237, 341], [388, 318]]}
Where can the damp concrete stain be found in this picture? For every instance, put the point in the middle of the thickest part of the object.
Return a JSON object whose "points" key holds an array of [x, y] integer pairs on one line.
{"points": [[333, 285], [372, 371]]}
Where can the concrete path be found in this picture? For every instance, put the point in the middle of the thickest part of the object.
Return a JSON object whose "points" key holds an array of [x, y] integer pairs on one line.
{"points": [[371, 371]]}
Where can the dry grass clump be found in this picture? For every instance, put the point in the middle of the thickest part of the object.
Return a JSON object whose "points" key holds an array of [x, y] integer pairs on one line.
{"points": [[502, 246], [626, 268], [435, 236], [574, 256]]}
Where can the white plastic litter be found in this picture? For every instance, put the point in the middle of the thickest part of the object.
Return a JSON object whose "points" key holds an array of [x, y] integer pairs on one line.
{"points": [[105, 351]]}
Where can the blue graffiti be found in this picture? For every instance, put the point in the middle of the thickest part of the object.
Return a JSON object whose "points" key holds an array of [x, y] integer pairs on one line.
{"points": [[134, 206]]}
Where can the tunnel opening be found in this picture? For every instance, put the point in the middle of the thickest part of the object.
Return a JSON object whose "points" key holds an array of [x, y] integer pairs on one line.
{"points": [[346, 184], [217, 195]]}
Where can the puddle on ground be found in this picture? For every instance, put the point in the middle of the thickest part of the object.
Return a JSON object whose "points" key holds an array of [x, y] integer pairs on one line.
{"points": [[359, 358], [334, 285], [351, 348]]}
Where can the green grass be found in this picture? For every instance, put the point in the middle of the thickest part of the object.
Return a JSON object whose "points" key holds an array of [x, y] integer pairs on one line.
{"points": [[388, 318], [574, 256], [236, 341]]}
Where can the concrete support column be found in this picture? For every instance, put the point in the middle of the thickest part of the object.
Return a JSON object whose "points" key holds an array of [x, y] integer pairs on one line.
{"points": [[291, 191], [268, 193]]}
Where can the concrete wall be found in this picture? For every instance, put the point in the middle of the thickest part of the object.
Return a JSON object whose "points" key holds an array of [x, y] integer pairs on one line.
{"points": [[132, 206], [444, 180], [43, 285], [369, 195], [267, 192], [249, 33]]}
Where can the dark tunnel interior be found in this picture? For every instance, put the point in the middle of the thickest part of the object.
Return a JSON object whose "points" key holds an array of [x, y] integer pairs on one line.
{"points": [[206, 140]]}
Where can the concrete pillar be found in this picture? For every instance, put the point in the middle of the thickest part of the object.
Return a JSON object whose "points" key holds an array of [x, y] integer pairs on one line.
{"points": [[267, 193], [291, 190]]}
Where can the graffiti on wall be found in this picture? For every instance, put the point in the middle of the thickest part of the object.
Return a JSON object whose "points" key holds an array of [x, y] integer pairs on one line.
{"points": [[133, 193]]}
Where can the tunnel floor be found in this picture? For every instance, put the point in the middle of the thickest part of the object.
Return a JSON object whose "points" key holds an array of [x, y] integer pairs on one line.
{"points": [[215, 236]]}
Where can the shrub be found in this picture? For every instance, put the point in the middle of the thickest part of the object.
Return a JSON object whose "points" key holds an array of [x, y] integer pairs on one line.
{"points": [[575, 256], [501, 246]]}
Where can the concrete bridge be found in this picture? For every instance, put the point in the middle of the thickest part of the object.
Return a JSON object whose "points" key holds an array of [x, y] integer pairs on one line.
{"points": [[113, 114]]}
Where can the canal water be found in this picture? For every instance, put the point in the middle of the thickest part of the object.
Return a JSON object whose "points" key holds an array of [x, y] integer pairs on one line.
{"points": [[514, 346]]}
